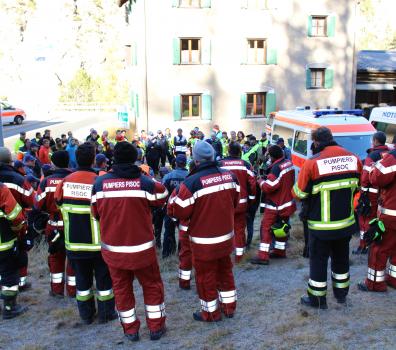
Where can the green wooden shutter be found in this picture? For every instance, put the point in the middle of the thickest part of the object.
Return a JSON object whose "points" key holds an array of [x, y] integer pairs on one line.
{"points": [[270, 102], [329, 78], [308, 78], [309, 25], [206, 51], [331, 25], [244, 4], [176, 51], [206, 3], [132, 100], [206, 107], [137, 105], [175, 3], [243, 106], [272, 55], [176, 108]]}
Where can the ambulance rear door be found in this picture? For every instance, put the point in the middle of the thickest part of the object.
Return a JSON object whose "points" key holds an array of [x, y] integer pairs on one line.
{"points": [[384, 119]]}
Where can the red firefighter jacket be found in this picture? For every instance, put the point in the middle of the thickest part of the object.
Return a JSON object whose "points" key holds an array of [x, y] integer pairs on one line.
{"points": [[11, 221], [374, 155], [246, 179], [45, 200], [277, 187], [73, 196], [208, 199], [122, 201], [328, 182], [383, 176], [20, 188]]}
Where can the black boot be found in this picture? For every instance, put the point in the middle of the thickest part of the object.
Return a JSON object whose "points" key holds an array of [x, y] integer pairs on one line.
{"points": [[158, 334], [25, 287], [132, 337], [12, 309], [315, 302]]}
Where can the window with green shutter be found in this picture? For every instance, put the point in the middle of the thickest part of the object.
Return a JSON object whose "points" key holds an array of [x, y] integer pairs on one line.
{"points": [[191, 106], [272, 55], [257, 104], [321, 26], [137, 105], [319, 78]]}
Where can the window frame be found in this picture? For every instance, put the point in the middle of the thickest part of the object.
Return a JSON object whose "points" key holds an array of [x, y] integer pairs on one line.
{"points": [[190, 106], [317, 18], [273, 133], [296, 134], [190, 6], [254, 106], [190, 40], [265, 44], [313, 72]]}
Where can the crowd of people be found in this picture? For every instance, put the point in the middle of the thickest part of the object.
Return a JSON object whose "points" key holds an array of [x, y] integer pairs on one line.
{"points": [[106, 205]]}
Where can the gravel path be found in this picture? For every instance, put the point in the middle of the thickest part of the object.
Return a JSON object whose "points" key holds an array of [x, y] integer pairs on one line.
{"points": [[269, 315]]}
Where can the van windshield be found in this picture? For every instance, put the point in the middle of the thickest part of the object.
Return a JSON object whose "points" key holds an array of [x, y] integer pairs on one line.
{"points": [[357, 144]]}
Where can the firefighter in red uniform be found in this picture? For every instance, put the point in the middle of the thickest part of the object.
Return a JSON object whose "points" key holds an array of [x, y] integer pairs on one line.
{"points": [[383, 176], [328, 182], [45, 201], [82, 239], [208, 199], [12, 228], [247, 182], [122, 202], [278, 205], [24, 195], [368, 202]]}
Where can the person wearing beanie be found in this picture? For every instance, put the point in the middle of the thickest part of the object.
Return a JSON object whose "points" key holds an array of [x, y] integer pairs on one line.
{"points": [[122, 202], [60, 270], [368, 193], [247, 182], [278, 205], [82, 239], [171, 181], [207, 200], [23, 193], [12, 229]]}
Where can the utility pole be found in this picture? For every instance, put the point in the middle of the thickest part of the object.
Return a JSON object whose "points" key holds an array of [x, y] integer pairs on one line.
{"points": [[1, 128]]}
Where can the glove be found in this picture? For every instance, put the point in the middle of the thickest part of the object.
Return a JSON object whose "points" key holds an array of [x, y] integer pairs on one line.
{"points": [[27, 242], [375, 232], [364, 205], [56, 242], [281, 229]]}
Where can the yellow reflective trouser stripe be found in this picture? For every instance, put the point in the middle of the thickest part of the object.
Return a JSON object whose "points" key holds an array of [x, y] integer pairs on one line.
{"points": [[7, 245]]}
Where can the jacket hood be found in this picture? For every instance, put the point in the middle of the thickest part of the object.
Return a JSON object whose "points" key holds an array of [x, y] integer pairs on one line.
{"points": [[127, 171], [383, 148]]}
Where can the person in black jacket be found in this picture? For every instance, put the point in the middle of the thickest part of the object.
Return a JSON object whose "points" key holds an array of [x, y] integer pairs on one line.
{"points": [[153, 153], [216, 144], [163, 142]]}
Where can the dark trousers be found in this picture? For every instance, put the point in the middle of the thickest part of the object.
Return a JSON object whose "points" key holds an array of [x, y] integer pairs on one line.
{"points": [[320, 251], [85, 269], [9, 275], [163, 159], [169, 245], [153, 163], [158, 221]]}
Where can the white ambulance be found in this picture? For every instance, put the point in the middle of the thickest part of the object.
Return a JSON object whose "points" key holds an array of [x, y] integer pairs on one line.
{"points": [[384, 119], [350, 130]]}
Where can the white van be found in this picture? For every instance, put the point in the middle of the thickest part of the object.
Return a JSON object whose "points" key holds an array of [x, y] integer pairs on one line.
{"points": [[384, 119]]}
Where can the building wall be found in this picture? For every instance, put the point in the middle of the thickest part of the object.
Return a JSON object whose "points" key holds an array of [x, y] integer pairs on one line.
{"points": [[228, 26]]}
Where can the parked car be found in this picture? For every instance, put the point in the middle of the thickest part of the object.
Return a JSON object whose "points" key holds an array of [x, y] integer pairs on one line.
{"points": [[11, 114]]}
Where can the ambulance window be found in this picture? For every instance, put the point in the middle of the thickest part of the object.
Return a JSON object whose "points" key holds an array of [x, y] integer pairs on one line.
{"points": [[301, 143], [282, 132], [388, 129]]}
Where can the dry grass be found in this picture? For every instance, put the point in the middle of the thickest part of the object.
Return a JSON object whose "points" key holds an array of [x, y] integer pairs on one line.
{"points": [[217, 335]]}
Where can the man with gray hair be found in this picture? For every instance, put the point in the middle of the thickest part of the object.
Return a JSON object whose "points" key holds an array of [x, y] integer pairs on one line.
{"points": [[208, 193]]}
